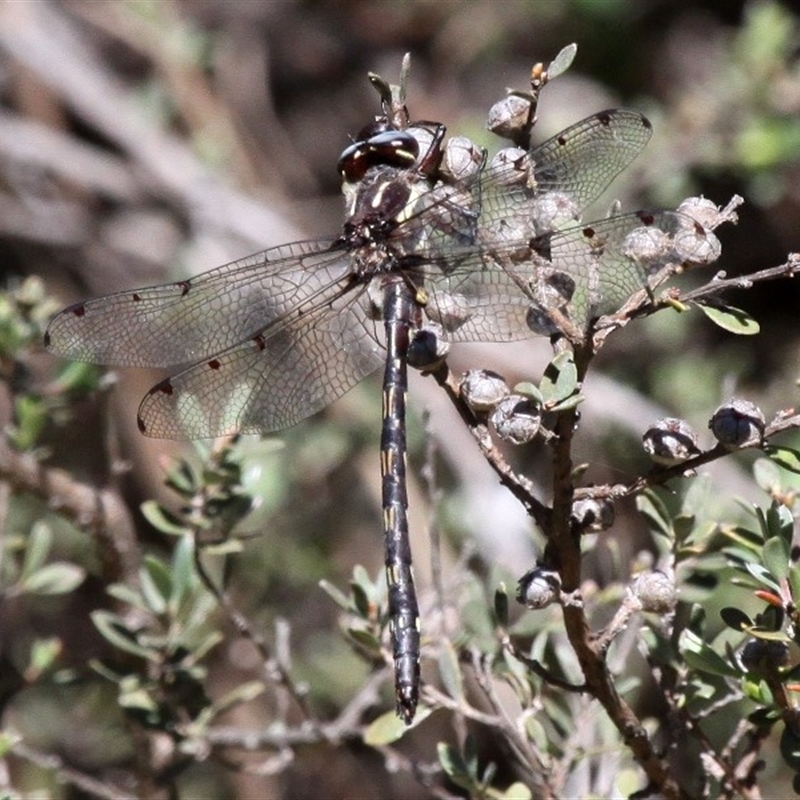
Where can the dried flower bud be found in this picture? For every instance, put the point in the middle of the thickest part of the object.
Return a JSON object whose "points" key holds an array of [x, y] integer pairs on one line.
{"points": [[462, 159], [427, 349], [737, 422], [655, 591], [510, 166], [591, 515], [707, 213], [539, 588], [764, 657], [670, 441], [483, 389], [510, 116], [516, 419]]}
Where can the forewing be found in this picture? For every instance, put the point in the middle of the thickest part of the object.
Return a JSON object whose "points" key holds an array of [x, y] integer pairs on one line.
{"points": [[549, 187], [182, 322], [271, 381]]}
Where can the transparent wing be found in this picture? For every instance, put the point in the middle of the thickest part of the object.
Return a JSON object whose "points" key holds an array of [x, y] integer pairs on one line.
{"points": [[181, 322], [580, 163], [507, 292], [274, 379]]}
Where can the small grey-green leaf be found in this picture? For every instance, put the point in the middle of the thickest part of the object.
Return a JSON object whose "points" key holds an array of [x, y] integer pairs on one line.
{"points": [[162, 520], [59, 577], [450, 672], [776, 556], [731, 319], [37, 547], [560, 379], [653, 508], [784, 457], [528, 389], [562, 62], [700, 656], [113, 629], [388, 727], [454, 766], [336, 594]]}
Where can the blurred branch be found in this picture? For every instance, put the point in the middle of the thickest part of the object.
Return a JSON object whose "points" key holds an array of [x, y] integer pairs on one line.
{"points": [[101, 511]]}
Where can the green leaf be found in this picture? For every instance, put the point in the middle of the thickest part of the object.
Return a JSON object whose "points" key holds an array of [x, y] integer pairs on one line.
{"points": [[59, 577], [776, 557], [698, 655], [336, 594], [562, 62], [530, 390], [735, 618], [366, 639], [731, 319], [652, 507], [388, 727], [766, 474], [36, 549], [163, 520], [784, 457], [113, 628], [517, 791], [243, 693], [763, 576], [450, 672], [560, 379], [794, 583], [455, 767], [183, 570]]}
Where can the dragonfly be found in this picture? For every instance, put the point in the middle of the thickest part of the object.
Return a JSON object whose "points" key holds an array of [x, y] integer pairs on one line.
{"points": [[490, 251]]}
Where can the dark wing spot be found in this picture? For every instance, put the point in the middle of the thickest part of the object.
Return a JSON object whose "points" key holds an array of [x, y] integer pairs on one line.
{"points": [[184, 287], [140, 423], [47, 338], [562, 140], [259, 342], [79, 310], [646, 123], [604, 118], [213, 364], [136, 297], [646, 218], [165, 387], [588, 232]]}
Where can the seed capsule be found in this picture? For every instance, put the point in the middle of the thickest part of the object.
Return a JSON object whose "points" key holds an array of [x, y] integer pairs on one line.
{"points": [[516, 419], [655, 591], [591, 515], [670, 441], [737, 422], [483, 389], [539, 588]]}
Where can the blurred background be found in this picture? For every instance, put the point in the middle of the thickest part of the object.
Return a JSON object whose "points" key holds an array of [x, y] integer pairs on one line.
{"points": [[145, 141]]}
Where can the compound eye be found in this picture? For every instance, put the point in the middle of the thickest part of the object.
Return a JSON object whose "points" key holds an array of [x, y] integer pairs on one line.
{"points": [[389, 148], [393, 148], [354, 162]]}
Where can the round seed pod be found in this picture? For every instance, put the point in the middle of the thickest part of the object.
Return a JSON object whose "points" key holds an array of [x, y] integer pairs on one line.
{"points": [[670, 441], [655, 591], [509, 116], [591, 515], [764, 657], [737, 422], [516, 419], [427, 349], [483, 389], [539, 588]]}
